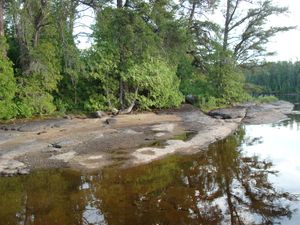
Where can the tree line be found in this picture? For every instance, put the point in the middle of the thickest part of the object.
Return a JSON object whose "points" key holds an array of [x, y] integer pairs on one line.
{"points": [[276, 78], [144, 54]]}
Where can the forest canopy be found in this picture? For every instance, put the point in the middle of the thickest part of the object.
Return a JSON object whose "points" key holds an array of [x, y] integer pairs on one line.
{"points": [[144, 54], [275, 78]]}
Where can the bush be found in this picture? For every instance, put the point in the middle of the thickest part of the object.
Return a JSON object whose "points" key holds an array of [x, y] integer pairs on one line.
{"points": [[265, 99], [96, 102], [157, 83]]}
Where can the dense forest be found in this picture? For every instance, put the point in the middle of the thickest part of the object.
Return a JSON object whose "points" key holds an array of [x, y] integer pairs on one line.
{"points": [[144, 54], [275, 78]]}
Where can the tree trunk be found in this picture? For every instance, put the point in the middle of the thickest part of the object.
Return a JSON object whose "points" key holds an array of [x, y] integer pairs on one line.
{"points": [[23, 49], [129, 109], [119, 3], [121, 94], [226, 27], [1, 18], [192, 14]]}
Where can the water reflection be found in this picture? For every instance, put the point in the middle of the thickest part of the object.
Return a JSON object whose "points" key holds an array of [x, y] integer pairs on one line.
{"points": [[293, 123], [218, 186]]}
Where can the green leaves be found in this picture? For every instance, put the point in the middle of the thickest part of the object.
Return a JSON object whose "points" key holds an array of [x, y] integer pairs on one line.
{"points": [[158, 84], [7, 84]]}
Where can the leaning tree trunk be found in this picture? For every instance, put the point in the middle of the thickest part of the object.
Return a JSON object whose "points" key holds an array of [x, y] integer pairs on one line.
{"points": [[130, 108]]}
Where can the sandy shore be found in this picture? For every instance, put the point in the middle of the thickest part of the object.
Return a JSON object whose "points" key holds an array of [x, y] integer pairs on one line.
{"points": [[127, 140]]}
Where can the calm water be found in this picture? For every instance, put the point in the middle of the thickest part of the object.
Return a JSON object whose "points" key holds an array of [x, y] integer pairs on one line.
{"points": [[252, 177]]}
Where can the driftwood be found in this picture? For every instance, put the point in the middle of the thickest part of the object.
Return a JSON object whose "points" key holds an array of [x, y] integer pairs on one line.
{"points": [[129, 109]]}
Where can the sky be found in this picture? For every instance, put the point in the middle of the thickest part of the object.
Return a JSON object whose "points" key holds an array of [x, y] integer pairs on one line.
{"points": [[287, 44]]}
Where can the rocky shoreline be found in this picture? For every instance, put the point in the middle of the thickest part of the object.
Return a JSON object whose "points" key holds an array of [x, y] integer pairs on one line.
{"points": [[126, 140]]}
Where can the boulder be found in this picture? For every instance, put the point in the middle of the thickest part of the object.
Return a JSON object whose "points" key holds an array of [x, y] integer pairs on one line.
{"points": [[111, 121], [228, 113], [191, 99]]}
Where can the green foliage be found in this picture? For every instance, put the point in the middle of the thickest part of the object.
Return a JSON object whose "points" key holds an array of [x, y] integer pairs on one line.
{"points": [[148, 52], [127, 52], [193, 82], [228, 82], [276, 77], [34, 90], [157, 83], [7, 84], [96, 102], [266, 99]]}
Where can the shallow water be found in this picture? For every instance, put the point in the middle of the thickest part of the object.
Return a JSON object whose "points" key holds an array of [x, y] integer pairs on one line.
{"points": [[252, 177]]}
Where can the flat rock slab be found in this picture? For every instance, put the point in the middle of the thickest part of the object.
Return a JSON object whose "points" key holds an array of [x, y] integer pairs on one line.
{"points": [[268, 112], [129, 140]]}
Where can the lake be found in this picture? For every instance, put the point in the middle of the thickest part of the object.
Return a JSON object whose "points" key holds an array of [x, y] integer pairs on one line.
{"points": [[251, 177]]}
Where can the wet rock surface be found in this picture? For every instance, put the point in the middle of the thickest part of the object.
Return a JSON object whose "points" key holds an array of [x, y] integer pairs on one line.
{"points": [[88, 144]]}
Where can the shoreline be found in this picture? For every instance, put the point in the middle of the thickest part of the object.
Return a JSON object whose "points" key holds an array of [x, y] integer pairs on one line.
{"points": [[126, 140]]}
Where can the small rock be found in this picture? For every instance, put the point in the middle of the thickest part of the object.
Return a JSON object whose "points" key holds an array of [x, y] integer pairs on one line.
{"points": [[110, 121], [55, 145], [98, 114], [68, 117]]}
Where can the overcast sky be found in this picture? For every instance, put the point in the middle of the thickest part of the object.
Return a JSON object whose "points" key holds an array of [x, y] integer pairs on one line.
{"points": [[287, 44]]}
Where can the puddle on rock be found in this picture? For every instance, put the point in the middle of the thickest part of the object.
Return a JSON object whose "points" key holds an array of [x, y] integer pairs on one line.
{"points": [[185, 136]]}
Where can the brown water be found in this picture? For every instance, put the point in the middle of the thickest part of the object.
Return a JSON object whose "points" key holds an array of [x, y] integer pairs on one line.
{"points": [[233, 182]]}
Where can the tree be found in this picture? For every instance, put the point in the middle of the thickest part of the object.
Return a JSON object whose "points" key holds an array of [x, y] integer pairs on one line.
{"points": [[7, 80], [246, 34], [126, 44], [37, 53], [276, 77], [241, 42]]}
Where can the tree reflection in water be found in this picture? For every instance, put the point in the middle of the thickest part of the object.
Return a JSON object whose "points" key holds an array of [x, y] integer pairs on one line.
{"points": [[293, 123], [217, 186]]}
